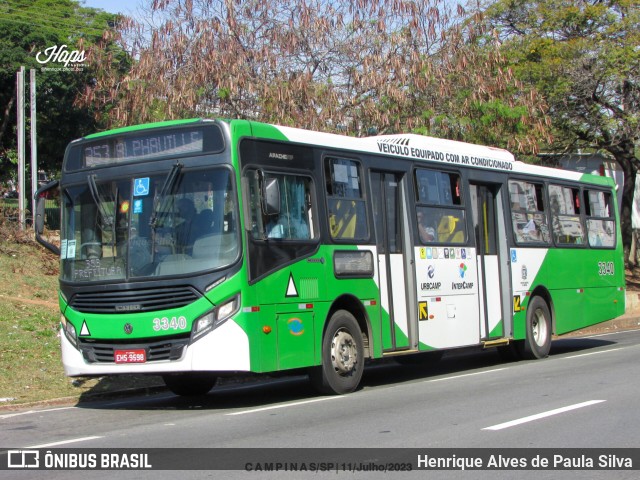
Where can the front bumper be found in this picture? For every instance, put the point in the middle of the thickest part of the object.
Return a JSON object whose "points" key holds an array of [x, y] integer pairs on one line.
{"points": [[224, 349]]}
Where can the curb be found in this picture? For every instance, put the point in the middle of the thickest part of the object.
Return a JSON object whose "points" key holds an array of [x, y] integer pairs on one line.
{"points": [[87, 398], [628, 321]]}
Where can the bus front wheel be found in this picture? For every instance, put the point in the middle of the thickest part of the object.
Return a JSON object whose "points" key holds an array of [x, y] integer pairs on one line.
{"points": [[537, 342], [190, 384], [342, 356]]}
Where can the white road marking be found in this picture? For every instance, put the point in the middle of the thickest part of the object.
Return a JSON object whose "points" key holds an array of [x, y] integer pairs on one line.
{"points": [[63, 442], [612, 333], [539, 416], [454, 377], [286, 405], [30, 412], [594, 353]]}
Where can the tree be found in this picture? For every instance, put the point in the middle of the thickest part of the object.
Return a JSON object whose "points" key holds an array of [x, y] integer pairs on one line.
{"points": [[28, 27], [351, 67], [583, 57]]}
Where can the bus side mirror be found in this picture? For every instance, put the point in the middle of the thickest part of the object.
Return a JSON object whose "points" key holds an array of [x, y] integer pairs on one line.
{"points": [[271, 196], [39, 220]]}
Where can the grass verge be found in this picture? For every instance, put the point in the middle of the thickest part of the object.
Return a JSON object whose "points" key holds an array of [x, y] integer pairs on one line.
{"points": [[29, 317]]}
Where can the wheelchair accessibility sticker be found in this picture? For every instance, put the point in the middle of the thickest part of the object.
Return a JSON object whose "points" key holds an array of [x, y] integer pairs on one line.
{"points": [[141, 187]]}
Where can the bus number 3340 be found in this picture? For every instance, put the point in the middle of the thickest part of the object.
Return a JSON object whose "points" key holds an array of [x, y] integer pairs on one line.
{"points": [[605, 268], [176, 323]]}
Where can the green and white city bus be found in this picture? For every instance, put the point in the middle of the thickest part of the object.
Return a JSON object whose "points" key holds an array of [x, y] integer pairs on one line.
{"points": [[199, 248]]}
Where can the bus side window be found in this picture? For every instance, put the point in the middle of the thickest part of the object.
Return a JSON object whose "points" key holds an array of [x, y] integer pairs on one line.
{"points": [[601, 224], [346, 206], [566, 223], [440, 212], [438, 188], [295, 219], [529, 219]]}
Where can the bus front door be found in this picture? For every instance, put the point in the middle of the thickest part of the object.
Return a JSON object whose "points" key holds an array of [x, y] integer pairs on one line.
{"points": [[490, 236], [391, 225]]}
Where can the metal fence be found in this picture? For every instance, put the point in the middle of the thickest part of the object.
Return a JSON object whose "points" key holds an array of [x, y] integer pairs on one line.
{"points": [[10, 214]]}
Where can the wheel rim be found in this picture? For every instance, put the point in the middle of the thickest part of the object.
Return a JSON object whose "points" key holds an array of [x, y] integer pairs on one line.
{"points": [[539, 328], [344, 353]]}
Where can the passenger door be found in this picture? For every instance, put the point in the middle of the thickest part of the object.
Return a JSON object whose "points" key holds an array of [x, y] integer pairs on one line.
{"points": [[389, 197], [490, 237]]}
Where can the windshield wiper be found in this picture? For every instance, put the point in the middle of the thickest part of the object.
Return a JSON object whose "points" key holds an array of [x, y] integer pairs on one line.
{"points": [[107, 218], [160, 208]]}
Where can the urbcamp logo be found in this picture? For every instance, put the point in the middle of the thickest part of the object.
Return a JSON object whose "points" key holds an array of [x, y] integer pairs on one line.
{"points": [[60, 54], [431, 271]]}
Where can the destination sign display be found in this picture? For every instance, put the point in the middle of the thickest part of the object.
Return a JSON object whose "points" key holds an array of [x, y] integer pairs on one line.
{"points": [[146, 146]]}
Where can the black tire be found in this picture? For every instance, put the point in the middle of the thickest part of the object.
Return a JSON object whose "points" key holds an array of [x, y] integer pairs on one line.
{"points": [[537, 342], [190, 384], [342, 356], [420, 359]]}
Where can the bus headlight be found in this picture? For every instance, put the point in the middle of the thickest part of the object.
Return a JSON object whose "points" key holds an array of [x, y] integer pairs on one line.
{"points": [[69, 331], [227, 309], [202, 325], [215, 317]]}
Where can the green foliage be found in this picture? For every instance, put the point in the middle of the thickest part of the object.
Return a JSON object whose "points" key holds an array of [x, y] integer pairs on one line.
{"points": [[224, 93], [28, 27], [583, 57]]}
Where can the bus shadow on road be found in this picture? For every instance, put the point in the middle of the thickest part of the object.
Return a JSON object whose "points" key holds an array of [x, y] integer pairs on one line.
{"points": [[256, 392], [469, 360], [567, 345], [228, 394]]}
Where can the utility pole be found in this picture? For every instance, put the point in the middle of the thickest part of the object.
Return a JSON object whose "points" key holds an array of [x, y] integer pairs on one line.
{"points": [[21, 136], [34, 146]]}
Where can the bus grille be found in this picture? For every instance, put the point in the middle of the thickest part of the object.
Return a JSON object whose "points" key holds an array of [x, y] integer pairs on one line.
{"points": [[156, 351], [134, 301]]}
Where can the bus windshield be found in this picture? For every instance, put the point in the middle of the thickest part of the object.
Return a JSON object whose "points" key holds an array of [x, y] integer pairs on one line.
{"points": [[173, 223]]}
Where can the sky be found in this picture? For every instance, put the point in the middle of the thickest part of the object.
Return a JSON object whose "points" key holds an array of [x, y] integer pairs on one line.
{"points": [[114, 6]]}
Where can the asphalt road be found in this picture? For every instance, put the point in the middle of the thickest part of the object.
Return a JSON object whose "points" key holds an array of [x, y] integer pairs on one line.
{"points": [[585, 395]]}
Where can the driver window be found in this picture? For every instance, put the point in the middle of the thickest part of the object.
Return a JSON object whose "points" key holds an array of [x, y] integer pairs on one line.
{"points": [[295, 220]]}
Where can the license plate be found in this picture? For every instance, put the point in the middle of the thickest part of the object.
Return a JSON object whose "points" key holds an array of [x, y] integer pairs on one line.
{"points": [[138, 355]]}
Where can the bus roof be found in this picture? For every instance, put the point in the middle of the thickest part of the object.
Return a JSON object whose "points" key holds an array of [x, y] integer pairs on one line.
{"points": [[142, 126], [409, 146], [425, 148]]}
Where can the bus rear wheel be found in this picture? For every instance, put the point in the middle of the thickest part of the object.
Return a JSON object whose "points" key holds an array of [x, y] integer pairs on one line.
{"points": [[190, 384], [537, 342], [342, 356]]}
